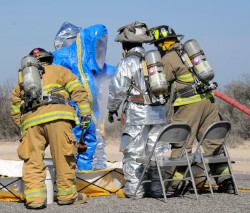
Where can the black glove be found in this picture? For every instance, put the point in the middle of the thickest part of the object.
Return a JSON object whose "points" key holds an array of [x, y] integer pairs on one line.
{"points": [[110, 116], [81, 147], [85, 121]]}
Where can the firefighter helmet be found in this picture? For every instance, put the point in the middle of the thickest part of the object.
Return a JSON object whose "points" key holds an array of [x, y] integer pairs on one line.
{"points": [[137, 32], [42, 55], [163, 32]]}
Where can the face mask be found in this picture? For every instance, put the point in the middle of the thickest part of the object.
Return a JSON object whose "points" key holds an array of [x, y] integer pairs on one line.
{"points": [[100, 51]]}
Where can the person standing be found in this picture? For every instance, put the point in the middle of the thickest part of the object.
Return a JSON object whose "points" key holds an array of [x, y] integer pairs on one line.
{"points": [[198, 109], [46, 118], [142, 121]]}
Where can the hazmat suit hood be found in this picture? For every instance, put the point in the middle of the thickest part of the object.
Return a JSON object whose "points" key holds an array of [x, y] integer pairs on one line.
{"points": [[66, 35], [92, 44]]}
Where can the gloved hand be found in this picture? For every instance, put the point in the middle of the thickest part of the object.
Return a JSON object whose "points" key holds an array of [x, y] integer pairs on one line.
{"points": [[110, 116], [81, 147], [85, 121]]}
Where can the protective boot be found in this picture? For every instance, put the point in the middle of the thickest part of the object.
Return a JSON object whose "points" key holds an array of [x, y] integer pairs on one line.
{"points": [[41, 206], [81, 198], [178, 185], [227, 187]]}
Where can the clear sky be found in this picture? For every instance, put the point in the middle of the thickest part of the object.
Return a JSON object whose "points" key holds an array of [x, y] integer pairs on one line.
{"points": [[222, 28]]}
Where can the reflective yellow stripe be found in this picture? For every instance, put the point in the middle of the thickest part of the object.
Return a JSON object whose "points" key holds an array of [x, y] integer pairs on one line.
{"points": [[77, 120], [178, 175], [47, 117], [66, 191], [50, 87], [84, 108], [35, 192], [221, 168], [71, 85], [186, 78], [193, 99], [15, 108], [85, 83]]}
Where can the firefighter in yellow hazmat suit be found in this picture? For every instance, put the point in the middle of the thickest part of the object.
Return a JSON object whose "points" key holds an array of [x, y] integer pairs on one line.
{"points": [[49, 122]]}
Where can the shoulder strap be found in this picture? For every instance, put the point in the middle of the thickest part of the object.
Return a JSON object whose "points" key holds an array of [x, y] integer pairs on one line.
{"points": [[135, 54]]}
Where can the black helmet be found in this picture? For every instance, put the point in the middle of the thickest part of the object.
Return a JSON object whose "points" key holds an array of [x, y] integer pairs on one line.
{"points": [[42, 55], [162, 32]]}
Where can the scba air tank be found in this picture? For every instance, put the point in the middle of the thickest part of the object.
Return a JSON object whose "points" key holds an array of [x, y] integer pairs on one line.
{"points": [[201, 66], [30, 77], [157, 77]]}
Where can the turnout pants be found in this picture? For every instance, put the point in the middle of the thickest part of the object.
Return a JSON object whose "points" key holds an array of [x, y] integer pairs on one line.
{"points": [[58, 134], [199, 116]]}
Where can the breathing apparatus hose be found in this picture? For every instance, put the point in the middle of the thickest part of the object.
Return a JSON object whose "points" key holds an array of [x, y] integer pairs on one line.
{"points": [[231, 101]]}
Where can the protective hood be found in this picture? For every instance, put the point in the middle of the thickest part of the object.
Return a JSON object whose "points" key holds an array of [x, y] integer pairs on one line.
{"points": [[92, 45], [66, 35]]}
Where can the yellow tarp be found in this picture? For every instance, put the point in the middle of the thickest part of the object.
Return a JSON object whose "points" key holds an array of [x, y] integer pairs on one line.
{"points": [[93, 183]]}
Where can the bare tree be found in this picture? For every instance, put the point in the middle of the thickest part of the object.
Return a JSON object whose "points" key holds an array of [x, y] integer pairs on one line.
{"points": [[8, 129], [239, 91]]}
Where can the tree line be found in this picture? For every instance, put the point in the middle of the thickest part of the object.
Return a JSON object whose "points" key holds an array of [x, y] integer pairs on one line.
{"points": [[236, 89]]}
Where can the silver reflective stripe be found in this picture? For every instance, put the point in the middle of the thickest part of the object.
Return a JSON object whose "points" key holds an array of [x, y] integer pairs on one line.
{"points": [[35, 193], [15, 108], [186, 78], [71, 85], [84, 109], [46, 118], [48, 88], [193, 99], [68, 191], [178, 175]]}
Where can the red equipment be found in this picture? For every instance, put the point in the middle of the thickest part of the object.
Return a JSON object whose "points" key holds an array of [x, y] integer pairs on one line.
{"points": [[231, 101]]}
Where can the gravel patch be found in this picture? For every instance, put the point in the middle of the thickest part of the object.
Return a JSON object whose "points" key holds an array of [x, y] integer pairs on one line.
{"points": [[102, 204]]}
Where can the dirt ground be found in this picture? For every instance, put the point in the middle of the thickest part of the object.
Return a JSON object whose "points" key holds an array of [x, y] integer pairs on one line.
{"points": [[241, 154]]}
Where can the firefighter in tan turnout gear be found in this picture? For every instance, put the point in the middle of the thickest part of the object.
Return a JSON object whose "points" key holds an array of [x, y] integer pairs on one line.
{"points": [[193, 99], [40, 108]]}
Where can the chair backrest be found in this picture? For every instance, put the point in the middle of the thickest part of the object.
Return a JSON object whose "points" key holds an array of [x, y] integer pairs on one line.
{"points": [[175, 133], [217, 130]]}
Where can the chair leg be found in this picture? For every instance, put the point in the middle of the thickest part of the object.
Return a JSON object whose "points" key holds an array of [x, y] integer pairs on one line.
{"points": [[208, 177], [193, 183], [161, 179], [192, 177], [231, 172], [141, 178], [233, 178]]}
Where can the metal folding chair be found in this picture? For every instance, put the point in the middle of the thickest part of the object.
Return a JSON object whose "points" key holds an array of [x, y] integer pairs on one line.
{"points": [[171, 134], [217, 131]]}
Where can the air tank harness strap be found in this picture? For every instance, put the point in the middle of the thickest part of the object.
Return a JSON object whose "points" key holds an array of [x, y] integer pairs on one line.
{"points": [[50, 99], [136, 54], [186, 92], [30, 64], [157, 64], [137, 99]]}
